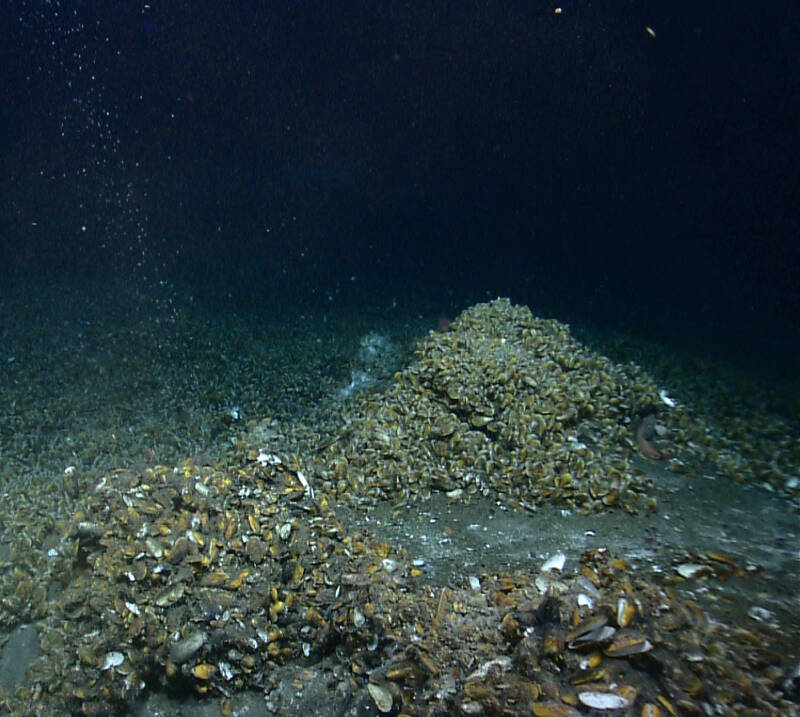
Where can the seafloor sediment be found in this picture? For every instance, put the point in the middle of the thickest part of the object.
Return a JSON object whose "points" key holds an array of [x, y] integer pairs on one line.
{"points": [[213, 509]]}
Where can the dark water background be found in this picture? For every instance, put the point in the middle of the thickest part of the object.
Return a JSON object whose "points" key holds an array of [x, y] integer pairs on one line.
{"points": [[631, 165]]}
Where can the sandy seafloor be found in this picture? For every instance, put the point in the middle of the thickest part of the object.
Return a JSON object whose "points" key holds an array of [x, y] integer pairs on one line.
{"points": [[92, 384]]}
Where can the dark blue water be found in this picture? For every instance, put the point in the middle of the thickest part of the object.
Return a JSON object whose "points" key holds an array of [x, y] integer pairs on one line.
{"points": [[626, 166]]}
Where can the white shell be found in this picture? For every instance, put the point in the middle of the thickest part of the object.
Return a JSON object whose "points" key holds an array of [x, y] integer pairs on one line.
{"points": [[555, 562], [268, 459], [603, 700], [225, 670], [689, 570], [389, 565], [112, 659], [381, 696], [306, 485], [547, 581], [358, 617], [666, 400], [201, 488], [761, 614], [498, 664]]}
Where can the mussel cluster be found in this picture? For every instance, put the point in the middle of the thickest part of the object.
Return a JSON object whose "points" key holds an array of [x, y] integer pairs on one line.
{"points": [[503, 404]]}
